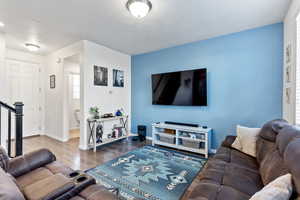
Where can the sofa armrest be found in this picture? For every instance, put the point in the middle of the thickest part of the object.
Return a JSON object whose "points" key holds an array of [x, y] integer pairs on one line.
{"points": [[228, 141], [23, 164]]}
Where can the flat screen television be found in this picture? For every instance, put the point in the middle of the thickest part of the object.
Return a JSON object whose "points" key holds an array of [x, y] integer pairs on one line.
{"points": [[182, 88]]}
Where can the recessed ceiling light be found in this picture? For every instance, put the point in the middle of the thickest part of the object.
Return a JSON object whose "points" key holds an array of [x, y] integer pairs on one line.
{"points": [[139, 8], [32, 47], [2, 24]]}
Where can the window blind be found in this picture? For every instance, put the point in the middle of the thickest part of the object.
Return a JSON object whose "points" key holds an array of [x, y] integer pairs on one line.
{"points": [[297, 85]]}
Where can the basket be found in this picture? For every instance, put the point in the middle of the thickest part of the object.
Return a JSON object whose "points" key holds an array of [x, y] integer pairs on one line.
{"points": [[191, 143], [167, 139]]}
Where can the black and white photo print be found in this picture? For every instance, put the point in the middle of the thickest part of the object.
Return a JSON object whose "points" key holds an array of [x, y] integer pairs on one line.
{"points": [[118, 78], [100, 76]]}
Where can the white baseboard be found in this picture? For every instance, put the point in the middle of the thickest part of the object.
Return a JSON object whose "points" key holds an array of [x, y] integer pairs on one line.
{"points": [[84, 148], [57, 138], [74, 128]]}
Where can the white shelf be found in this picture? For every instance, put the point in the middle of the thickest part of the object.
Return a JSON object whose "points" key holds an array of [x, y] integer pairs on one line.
{"points": [[165, 134], [205, 132], [109, 140], [182, 128], [123, 120], [181, 147]]}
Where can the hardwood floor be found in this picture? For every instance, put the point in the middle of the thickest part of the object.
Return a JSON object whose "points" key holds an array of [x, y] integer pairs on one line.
{"points": [[69, 154], [75, 133]]}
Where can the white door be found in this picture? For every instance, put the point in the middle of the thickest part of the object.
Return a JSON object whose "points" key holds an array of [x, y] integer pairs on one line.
{"points": [[23, 79]]}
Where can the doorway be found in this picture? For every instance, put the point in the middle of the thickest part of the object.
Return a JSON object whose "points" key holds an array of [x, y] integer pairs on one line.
{"points": [[72, 96], [25, 86]]}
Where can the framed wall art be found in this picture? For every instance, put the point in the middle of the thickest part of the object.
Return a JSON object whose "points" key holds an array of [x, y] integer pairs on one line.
{"points": [[100, 76], [288, 74], [118, 78], [52, 81], [288, 53]]}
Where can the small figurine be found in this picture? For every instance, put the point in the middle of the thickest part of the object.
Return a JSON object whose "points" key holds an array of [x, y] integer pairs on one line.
{"points": [[120, 112]]}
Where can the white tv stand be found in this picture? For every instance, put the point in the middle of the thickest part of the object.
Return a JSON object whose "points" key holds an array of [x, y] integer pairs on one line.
{"points": [[184, 137]]}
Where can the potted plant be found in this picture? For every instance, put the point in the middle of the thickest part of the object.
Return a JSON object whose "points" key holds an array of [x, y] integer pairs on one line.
{"points": [[94, 111]]}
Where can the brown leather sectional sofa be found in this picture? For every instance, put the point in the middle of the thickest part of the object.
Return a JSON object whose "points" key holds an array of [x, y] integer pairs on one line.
{"points": [[38, 176], [233, 175], [229, 175]]}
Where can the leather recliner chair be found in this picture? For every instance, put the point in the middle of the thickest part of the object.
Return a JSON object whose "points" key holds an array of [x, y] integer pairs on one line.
{"points": [[38, 176]]}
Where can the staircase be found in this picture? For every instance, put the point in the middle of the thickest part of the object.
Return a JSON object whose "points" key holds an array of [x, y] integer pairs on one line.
{"points": [[14, 144]]}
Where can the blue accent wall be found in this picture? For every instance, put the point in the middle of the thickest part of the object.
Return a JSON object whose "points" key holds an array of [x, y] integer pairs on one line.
{"points": [[244, 81]]}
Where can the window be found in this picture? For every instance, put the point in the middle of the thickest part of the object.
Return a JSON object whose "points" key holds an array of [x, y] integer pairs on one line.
{"points": [[76, 86], [294, 81]]}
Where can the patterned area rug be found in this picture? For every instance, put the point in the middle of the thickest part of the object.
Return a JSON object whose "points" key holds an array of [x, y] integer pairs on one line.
{"points": [[149, 173]]}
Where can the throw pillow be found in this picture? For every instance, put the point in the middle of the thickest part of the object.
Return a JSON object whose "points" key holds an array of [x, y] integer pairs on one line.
{"points": [[279, 189], [8, 188], [246, 140]]}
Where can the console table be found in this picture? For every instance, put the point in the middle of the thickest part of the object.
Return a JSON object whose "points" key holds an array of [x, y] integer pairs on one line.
{"points": [[193, 139], [95, 140]]}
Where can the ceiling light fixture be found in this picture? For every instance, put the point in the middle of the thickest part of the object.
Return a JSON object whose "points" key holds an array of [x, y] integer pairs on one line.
{"points": [[32, 47], [2, 24], [139, 8]]}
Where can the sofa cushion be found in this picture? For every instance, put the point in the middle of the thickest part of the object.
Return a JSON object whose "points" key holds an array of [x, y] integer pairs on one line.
{"points": [[57, 167], [267, 138], [8, 188], [272, 167], [43, 172], [243, 180], [33, 176], [48, 188], [77, 198], [213, 191], [270, 130], [236, 157], [285, 136], [263, 148]]}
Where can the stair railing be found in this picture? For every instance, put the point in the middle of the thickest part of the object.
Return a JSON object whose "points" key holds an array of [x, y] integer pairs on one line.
{"points": [[18, 111]]}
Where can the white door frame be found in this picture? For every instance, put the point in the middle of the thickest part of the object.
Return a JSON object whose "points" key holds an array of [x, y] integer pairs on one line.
{"points": [[65, 107]]}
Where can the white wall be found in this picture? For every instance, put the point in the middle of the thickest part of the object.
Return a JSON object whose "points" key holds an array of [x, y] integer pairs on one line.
{"points": [[55, 101], [3, 93], [109, 98], [290, 32]]}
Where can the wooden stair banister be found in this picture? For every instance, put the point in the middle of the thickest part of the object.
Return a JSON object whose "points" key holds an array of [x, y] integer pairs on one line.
{"points": [[18, 111]]}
